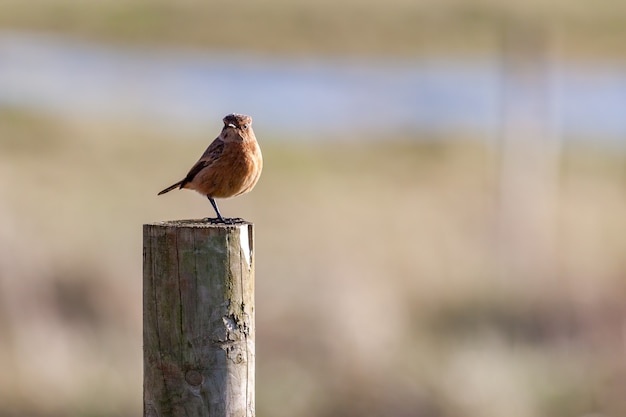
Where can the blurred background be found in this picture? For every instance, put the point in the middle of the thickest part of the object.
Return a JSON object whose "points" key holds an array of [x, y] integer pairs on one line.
{"points": [[440, 226]]}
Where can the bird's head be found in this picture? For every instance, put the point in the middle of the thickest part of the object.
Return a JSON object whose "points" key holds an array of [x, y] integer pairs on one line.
{"points": [[237, 127]]}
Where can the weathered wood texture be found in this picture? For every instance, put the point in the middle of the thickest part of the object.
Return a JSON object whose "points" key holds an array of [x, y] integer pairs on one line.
{"points": [[198, 330]]}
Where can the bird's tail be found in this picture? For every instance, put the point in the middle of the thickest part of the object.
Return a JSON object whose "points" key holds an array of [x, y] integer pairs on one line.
{"points": [[171, 187]]}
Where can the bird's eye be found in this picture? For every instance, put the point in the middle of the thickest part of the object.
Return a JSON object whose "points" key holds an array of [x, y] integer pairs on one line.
{"points": [[245, 126]]}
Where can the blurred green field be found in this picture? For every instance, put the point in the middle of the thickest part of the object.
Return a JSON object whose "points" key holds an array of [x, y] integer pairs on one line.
{"points": [[393, 27], [381, 285]]}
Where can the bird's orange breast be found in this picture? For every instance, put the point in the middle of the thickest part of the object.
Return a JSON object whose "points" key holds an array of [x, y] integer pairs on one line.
{"points": [[236, 171]]}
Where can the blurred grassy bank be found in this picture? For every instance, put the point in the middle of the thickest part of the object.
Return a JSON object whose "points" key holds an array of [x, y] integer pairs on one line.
{"points": [[394, 27], [381, 290]]}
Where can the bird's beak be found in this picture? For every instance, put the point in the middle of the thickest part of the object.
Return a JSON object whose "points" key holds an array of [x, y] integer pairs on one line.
{"points": [[232, 125]]}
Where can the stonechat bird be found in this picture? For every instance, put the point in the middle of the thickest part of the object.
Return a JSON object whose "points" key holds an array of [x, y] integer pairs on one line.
{"points": [[229, 167]]}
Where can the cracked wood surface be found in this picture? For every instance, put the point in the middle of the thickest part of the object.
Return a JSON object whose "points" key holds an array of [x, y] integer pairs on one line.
{"points": [[198, 309]]}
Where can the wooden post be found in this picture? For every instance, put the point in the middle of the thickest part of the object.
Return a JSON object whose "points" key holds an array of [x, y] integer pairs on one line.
{"points": [[198, 312]]}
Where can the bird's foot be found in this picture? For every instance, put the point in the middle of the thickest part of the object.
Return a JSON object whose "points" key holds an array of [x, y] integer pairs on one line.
{"points": [[215, 220]]}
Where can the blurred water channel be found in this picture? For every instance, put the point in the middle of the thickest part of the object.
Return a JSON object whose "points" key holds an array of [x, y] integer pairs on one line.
{"points": [[188, 89]]}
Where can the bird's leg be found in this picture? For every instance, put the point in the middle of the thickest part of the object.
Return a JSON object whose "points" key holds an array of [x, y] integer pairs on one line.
{"points": [[217, 211]]}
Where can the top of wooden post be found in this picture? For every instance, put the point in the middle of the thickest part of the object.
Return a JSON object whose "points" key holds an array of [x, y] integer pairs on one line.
{"points": [[201, 223]]}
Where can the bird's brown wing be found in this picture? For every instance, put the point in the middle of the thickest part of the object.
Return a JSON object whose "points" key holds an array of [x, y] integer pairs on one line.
{"points": [[209, 156]]}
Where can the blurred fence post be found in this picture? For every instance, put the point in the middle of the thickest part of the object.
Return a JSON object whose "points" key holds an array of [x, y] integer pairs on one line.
{"points": [[530, 152], [198, 319]]}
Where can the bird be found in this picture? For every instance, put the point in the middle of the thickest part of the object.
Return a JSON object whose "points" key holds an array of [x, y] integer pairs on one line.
{"points": [[229, 167]]}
